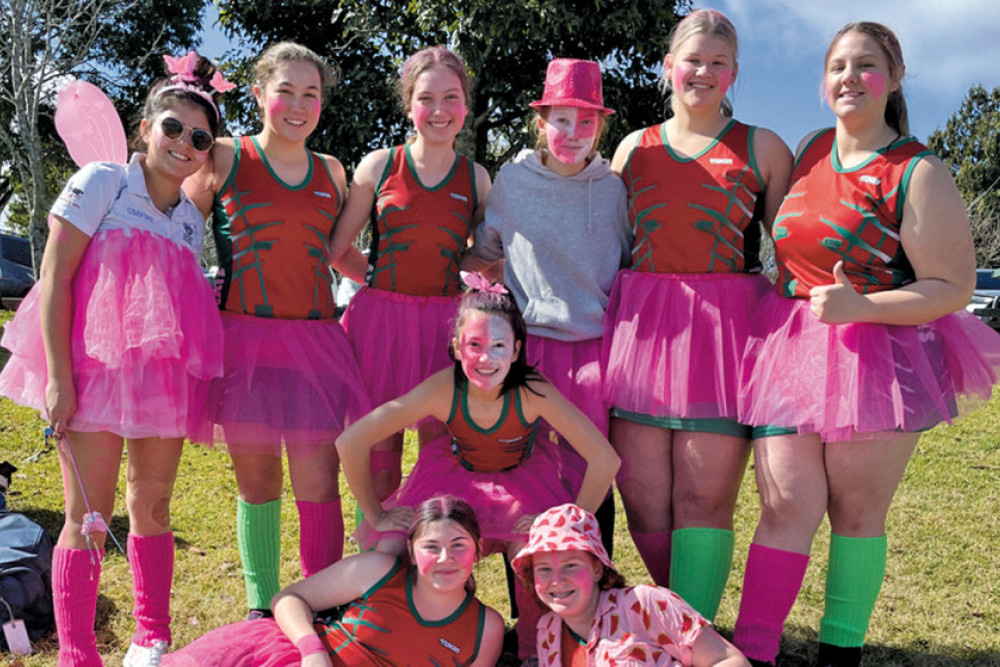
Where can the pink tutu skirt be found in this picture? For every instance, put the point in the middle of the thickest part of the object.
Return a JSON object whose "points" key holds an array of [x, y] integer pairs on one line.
{"points": [[400, 340], [146, 332], [574, 368], [855, 381], [259, 643], [285, 380], [499, 498], [673, 342]]}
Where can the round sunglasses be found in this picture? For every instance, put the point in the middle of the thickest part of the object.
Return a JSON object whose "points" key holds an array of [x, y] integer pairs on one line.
{"points": [[172, 128]]}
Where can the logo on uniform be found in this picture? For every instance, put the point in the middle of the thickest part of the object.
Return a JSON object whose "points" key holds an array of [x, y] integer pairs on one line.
{"points": [[720, 160], [871, 180], [455, 195], [448, 645], [320, 193]]}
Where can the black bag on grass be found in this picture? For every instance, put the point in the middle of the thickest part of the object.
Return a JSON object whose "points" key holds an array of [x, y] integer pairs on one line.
{"points": [[25, 574]]}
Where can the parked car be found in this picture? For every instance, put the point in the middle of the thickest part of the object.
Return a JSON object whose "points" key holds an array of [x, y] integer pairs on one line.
{"points": [[985, 302], [16, 274]]}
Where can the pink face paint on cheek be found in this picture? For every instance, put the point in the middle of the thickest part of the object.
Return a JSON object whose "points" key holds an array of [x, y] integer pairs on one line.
{"points": [[420, 115], [725, 77], [680, 72], [275, 106], [425, 560], [874, 81], [565, 149]]}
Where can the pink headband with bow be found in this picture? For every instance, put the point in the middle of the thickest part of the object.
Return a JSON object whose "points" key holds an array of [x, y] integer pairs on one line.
{"points": [[477, 281], [184, 79]]}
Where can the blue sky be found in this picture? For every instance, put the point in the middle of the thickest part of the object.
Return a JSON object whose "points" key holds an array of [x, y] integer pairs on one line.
{"points": [[949, 46]]}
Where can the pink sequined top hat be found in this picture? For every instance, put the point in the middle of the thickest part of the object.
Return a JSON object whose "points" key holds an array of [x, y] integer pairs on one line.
{"points": [[563, 528], [573, 83]]}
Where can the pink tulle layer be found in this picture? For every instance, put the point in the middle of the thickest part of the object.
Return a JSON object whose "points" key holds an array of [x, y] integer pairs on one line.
{"points": [[853, 381], [400, 340], [673, 342], [574, 368], [145, 332], [285, 380], [499, 498], [258, 643]]}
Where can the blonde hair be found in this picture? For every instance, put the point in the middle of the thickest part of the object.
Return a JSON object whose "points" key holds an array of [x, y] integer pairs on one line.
{"points": [[282, 52], [895, 109], [704, 22]]}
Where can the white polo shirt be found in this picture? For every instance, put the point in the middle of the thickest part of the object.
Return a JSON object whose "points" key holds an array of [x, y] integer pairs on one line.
{"points": [[100, 186]]}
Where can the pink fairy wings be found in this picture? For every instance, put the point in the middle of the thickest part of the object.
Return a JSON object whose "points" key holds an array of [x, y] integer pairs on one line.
{"points": [[88, 124], [477, 281]]}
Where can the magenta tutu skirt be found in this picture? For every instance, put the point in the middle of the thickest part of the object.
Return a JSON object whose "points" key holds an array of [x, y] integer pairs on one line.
{"points": [[673, 342], [259, 643], [400, 340], [574, 368], [499, 498], [285, 380], [145, 332], [855, 381]]}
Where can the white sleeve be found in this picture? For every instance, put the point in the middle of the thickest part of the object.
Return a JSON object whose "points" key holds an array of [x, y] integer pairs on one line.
{"points": [[88, 195]]}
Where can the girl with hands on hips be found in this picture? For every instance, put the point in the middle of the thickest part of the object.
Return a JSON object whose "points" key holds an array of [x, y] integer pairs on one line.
{"points": [[491, 401], [864, 345]]}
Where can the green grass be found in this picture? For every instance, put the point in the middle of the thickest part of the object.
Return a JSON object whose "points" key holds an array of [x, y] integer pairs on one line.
{"points": [[940, 604]]}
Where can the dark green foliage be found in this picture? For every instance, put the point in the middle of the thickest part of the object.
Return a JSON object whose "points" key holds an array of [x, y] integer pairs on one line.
{"points": [[506, 47]]}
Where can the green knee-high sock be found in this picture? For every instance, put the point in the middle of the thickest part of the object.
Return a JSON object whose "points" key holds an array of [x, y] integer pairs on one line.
{"points": [[853, 582], [699, 567], [258, 531]]}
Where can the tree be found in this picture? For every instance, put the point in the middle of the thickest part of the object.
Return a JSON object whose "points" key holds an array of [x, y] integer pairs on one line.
{"points": [[113, 42], [505, 44], [970, 146]]}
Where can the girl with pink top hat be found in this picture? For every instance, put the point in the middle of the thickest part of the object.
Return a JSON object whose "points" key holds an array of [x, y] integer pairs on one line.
{"points": [[556, 218], [699, 187], [421, 200], [864, 345], [595, 620], [110, 346]]}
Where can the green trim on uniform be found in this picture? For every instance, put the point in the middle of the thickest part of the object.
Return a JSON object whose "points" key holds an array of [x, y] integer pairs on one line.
{"points": [[719, 426]]}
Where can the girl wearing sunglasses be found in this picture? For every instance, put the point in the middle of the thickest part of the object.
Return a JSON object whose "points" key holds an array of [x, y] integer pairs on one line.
{"points": [[290, 379], [128, 328]]}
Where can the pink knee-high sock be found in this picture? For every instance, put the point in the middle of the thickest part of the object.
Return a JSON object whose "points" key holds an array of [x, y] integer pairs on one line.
{"points": [[770, 585], [529, 611], [654, 549], [321, 535], [75, 578], [152, 561]]}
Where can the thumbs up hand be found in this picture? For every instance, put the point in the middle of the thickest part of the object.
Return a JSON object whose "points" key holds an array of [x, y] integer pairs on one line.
{"points": [[838, 303]]}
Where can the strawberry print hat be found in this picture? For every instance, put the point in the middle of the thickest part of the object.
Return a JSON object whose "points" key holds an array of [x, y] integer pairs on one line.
{"points": [[563, 528]]}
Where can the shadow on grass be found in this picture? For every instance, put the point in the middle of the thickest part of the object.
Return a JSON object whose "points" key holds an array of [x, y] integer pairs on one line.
{"points": [[52, 521], [799, 647]]}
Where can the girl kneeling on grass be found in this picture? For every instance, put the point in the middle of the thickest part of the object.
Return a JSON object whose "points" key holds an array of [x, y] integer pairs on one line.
{"points": [[595, 619], [491, 401], [417, 609]]}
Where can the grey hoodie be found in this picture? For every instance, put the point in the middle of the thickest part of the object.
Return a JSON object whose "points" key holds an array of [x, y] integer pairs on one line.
{"points": [[564, 239]]}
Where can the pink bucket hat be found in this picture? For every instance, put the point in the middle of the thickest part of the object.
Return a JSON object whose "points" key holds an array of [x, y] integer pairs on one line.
{"points": [[573, 83], [563, 528]]}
